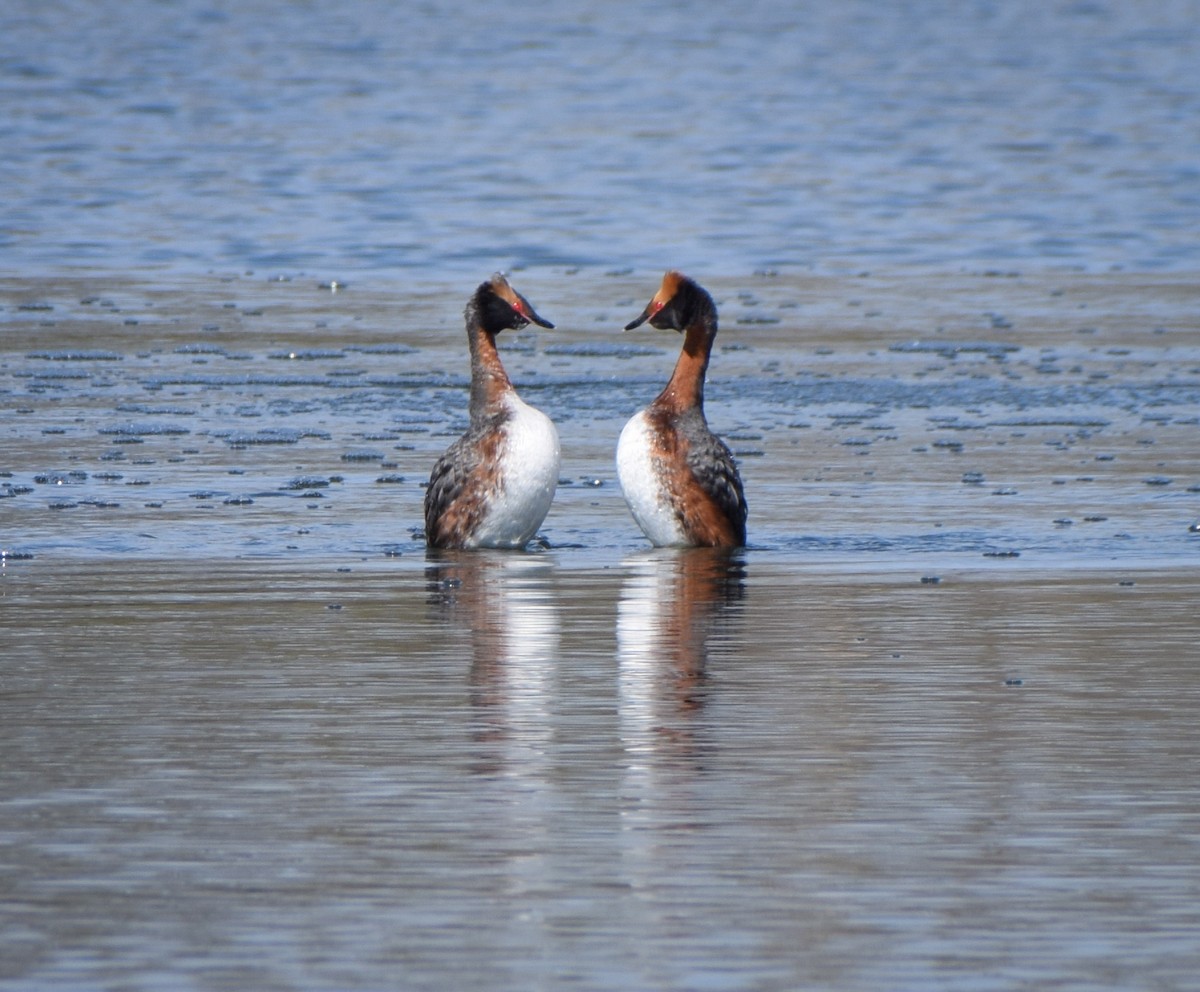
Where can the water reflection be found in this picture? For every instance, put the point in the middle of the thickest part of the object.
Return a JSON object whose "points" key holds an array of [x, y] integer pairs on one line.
{"points": [[503, 607], [673, 607]]}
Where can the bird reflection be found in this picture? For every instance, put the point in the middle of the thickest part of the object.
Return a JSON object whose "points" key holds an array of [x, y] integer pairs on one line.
{"points": [[673, 606], [505, 605]]}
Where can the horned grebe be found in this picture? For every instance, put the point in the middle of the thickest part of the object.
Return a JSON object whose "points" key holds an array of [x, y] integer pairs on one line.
{"points": [[680, 479], [493, 486]]}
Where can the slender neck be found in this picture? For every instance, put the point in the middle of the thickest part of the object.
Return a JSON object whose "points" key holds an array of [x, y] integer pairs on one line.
{"points": [[686, 386], [489, 381]]}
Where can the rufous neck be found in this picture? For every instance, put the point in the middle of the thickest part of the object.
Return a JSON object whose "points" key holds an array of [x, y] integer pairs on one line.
{"points": [[489, 381], [686, 386]]}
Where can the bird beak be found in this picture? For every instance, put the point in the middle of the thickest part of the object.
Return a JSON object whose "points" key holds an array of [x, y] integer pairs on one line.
{"points": [[651, 310], [638, 321], [527, 311]]}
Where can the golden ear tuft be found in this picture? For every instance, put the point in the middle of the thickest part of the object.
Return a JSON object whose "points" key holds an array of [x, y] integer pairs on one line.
{"points": [[503, 289], [670, 284]]}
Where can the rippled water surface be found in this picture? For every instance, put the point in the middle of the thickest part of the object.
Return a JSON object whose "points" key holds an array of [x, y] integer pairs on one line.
{"points": [[933, 729], [424, 137], [519, 771], [875, 419]]}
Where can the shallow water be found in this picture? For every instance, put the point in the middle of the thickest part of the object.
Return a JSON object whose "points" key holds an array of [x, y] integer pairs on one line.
{"points": [[524, 771], [933, 729], [1048, 418]]}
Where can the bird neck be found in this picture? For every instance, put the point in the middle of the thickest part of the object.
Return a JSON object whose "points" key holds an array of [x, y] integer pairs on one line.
{"points": [[686, 386], [489, 381]]}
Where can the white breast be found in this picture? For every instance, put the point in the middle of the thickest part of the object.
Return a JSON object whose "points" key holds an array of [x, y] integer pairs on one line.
{"points": [[530, 460], [641, 483]]}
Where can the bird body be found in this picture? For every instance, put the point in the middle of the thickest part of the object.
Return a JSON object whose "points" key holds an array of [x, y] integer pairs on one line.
{"points": [[679, 479], [493, 487]]}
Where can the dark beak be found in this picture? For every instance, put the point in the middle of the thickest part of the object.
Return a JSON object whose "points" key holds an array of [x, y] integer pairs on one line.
{"points": [[638, 321], [530, 314]]}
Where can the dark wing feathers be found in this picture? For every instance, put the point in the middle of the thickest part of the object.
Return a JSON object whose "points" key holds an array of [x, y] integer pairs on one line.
{"points": [[461, 483], [712, 464]]}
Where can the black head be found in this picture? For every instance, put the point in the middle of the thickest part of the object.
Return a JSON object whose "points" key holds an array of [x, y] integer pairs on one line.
{"points": [[500, 307], [678, 304]]}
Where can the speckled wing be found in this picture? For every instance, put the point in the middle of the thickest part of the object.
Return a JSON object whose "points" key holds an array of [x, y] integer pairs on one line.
{"points": [[712, 464], [449, 517]]}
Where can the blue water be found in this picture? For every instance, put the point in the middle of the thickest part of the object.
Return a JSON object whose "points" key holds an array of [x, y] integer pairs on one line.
{"points": [[935, 729], [446, 138], [515, 772]]}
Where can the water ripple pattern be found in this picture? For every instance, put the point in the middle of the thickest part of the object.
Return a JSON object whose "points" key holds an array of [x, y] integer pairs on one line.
{"points": [[425, 137], [1046, 419]]}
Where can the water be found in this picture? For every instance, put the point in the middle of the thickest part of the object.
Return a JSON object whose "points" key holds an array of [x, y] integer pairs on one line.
{"points": [[1052, 419], [438, 139], [933, 729], [522, 771]]}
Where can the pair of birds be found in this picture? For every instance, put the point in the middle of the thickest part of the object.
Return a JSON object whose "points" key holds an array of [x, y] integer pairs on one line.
{"points": [[493, 486]]}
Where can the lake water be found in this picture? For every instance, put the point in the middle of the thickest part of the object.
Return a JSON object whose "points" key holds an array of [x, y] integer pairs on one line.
{"points": [[438, 138], [935, 728]]}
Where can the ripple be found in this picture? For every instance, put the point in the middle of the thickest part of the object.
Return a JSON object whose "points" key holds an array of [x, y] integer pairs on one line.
{"points": [[155, 411], [71, 478], [949, 349], [269, 435], [307, 354], [135, 429], [77, 356], [200, 349], [306, 482], [601, 349], [381, 349]]}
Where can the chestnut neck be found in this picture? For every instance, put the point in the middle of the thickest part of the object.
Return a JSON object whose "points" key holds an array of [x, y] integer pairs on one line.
{"points": [[685, 390], [489, 381]]}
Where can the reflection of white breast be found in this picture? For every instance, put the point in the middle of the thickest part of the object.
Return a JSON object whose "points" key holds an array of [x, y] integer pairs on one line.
{"points": [[529, 462], [527, 613], [639, 650], [639, 471]]}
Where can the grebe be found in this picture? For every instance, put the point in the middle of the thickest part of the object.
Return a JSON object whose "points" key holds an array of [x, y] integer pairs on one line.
{"points": [[680, 479], [493, 486]]}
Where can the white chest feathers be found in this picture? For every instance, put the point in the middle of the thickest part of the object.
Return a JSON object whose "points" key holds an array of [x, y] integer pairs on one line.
{"points": [[640, 471], [528, 476]]}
